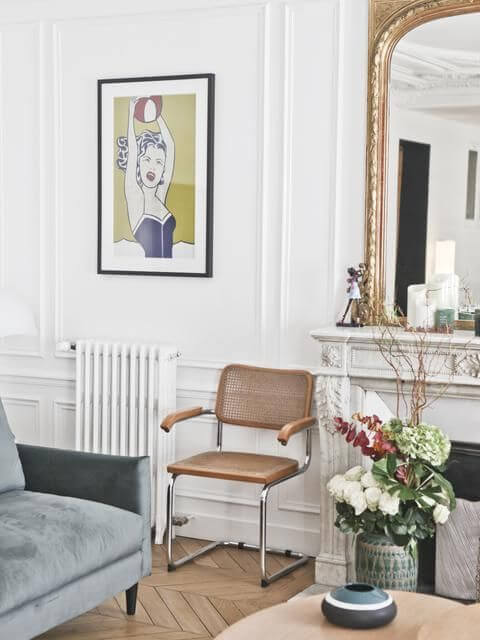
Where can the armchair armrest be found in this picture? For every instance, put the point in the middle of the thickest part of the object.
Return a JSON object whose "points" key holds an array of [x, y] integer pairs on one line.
{"points": [[289, 429], [118, 481], [180, 416]]}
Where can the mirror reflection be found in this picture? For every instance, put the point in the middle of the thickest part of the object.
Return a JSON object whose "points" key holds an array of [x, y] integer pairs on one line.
{"points": [[433, 193]]}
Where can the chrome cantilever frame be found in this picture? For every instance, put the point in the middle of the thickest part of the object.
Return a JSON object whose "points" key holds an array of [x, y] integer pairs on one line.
{"points": [[300, 559]]}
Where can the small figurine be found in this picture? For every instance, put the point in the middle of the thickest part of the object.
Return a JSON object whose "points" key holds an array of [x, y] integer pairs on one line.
{"points": [[355, 276]]}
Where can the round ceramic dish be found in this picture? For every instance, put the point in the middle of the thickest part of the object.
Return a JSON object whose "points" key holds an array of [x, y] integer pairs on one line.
{"points": [[359, 606]]}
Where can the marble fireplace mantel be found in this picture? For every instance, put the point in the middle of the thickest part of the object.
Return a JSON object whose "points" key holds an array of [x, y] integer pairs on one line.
{"points": [[350, 372]]}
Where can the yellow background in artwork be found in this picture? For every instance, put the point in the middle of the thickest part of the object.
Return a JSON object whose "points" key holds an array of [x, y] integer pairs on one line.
{"points": [[179, 113]]}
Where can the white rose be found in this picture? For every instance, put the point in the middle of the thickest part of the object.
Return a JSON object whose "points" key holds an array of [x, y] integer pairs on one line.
{"points": [[389, 504], [368, 480], [372, 496], [336, 486], [440, 514], [358, 502], [350, 489], [354, 474]]}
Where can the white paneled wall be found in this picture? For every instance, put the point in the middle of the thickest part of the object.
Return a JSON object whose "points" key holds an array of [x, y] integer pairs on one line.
{"points": [[289, 136]]}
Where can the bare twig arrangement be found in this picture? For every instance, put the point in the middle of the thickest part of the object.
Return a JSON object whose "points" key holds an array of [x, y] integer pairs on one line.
{"points": [[417, 361], [467, 291]]}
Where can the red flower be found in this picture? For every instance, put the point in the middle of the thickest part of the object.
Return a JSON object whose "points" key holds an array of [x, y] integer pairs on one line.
{"points": [[381, 446], [401, 474], [352, 432], [341, 426], [376, 449], [361, 439]]}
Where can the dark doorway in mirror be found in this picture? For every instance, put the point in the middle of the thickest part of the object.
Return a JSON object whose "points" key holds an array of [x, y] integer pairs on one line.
{"points": [[414, 171]]}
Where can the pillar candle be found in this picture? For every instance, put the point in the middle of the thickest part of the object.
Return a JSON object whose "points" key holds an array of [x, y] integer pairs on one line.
{"points": [[420, 313]]}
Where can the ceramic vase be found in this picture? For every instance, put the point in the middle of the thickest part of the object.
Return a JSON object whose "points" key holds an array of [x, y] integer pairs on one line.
{"points": [[381, 563]]}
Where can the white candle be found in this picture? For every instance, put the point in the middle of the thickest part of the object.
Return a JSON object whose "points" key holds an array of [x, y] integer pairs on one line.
{"points": [[419, 309]]}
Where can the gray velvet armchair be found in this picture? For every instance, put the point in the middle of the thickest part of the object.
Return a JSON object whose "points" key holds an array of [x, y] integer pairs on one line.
{"points": [[74, 530]]}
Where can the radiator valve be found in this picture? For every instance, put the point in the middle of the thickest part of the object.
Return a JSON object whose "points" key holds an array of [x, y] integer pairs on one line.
{"points": [[180, 521]]}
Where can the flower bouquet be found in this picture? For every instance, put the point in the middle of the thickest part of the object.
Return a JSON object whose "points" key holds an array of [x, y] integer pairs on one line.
{"points": [[401, 498]]}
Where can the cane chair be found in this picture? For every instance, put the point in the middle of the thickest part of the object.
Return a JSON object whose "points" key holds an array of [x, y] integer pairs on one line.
{"points": [[247, 396]]}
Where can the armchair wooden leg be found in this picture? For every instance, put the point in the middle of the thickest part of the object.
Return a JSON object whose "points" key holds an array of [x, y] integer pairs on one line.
{"points": [[131, 597]]}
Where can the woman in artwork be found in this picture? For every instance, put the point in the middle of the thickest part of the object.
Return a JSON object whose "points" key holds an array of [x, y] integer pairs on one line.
{"points": [[148, 161]]}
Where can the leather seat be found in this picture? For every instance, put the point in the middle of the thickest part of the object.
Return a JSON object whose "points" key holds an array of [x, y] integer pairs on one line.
{"points": [[233, 465]]}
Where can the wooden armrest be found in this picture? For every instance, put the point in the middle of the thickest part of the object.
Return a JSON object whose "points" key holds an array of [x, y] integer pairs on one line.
{"points": [[294, 427], [179, 416]]}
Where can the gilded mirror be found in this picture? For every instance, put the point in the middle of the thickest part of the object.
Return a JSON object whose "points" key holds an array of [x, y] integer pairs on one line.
{"points": [[423, 166]]}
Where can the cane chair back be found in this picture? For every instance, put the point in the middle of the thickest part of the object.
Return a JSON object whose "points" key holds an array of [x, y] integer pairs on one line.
{"points": [[263, 398]]}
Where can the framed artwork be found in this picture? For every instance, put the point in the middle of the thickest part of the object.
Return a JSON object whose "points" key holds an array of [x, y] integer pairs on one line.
{"points": [[155, 175]]}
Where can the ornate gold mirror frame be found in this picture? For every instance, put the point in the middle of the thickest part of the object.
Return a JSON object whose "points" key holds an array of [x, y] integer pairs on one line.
{"points": [[389, 21]]}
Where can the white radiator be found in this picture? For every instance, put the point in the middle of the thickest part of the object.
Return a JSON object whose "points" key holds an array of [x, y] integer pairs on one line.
{"points": [[123, 391]]}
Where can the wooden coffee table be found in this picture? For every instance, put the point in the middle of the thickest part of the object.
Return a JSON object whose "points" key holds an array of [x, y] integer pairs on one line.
{"points": [[302, 619]]}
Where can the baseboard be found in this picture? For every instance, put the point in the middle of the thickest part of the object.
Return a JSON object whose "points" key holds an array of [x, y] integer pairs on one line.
{"points": [[208, 527]]}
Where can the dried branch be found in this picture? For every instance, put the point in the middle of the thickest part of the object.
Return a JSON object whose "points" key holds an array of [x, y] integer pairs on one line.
{"points": [[417, 360]]}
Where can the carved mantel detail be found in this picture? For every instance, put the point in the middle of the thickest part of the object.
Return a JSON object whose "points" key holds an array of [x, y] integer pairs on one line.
{"points": [[470, 365], [331, 356], [332, 395]]}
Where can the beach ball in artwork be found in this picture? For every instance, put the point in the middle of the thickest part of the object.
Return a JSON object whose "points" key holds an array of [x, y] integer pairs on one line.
{"points": [[148, 109]]}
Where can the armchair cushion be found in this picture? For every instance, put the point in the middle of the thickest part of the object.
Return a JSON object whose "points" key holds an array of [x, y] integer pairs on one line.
{"points": [[11, 473], [48, 541]]}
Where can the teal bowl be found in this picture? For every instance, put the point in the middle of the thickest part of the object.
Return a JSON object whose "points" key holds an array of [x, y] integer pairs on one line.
{"points": [[359, 606]]}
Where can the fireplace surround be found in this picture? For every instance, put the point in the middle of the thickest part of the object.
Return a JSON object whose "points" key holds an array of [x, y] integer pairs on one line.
{"points": [[352, 376]]}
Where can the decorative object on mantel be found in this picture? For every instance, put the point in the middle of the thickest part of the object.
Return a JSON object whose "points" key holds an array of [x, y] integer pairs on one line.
{"points": [[477, 323], [404, 495], [359, 606], [432, 305], [355, 279]]}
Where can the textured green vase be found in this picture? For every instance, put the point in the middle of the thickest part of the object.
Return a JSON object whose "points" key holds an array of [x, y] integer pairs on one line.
{"points": [[381, 563]]}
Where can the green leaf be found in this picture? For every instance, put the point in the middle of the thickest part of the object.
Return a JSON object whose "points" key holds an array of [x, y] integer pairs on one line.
{"points": [[409, 514], [391, 464], [421, 517], [405, 493], [447, 487], [380, 467], [399, 529], [399, 540]]}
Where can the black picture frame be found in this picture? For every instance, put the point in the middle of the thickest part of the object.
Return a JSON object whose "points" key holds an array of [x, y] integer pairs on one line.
{"points": [[209, 183]]}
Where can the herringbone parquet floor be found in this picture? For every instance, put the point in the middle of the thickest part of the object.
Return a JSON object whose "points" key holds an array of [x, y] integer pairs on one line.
{"points": [[195, 602]]}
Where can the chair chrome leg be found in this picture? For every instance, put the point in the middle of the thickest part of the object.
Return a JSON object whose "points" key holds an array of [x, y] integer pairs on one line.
{"points": [[170, 508], [263, 537], [262, 548]]}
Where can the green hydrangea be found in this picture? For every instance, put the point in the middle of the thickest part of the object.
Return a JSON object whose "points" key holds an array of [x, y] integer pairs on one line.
{"points": [[423, 442]]}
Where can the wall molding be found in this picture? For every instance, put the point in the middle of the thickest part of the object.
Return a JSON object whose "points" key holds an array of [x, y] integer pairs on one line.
{"points": [[33, 403], [39, 271], [62, 407], [58, 28]]}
